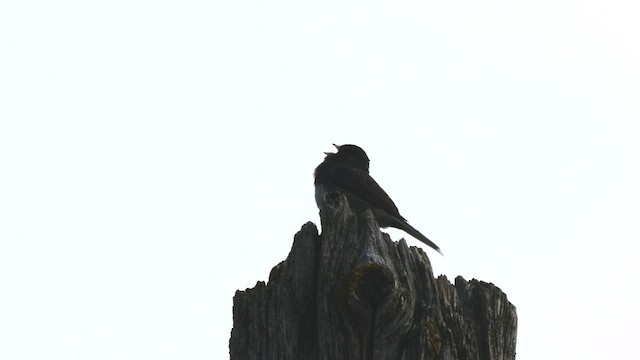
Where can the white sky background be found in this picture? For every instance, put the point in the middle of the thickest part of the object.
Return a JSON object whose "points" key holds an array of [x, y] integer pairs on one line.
{"points": [[157, 156]]}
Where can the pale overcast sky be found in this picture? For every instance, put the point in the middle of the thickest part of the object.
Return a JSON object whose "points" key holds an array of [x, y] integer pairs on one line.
{"points": [[155, 157]]}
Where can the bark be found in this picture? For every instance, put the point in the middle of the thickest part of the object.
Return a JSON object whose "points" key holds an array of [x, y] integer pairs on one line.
{"points": [[353, 293]]}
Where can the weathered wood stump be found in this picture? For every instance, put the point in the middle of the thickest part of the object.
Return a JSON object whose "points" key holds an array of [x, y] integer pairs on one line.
{"points": [[353, 293]]}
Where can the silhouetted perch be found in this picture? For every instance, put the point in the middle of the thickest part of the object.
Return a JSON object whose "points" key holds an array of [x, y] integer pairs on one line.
{"points": [[353, 293]]}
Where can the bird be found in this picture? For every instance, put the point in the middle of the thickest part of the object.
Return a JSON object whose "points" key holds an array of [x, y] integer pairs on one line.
{"points": [[347, 171]]}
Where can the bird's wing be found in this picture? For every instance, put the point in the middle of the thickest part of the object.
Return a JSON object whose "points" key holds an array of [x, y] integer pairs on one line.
{"points": [[362, 185]]}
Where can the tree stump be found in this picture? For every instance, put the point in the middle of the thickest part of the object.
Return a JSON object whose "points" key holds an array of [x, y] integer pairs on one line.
{"points": [[353, 293]]}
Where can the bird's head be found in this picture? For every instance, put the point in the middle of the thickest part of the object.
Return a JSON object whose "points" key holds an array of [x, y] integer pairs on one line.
{"points": [[351, 155]]}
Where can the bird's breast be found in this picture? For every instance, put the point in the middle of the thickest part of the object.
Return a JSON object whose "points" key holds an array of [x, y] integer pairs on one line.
{"points": [[320, 191]]}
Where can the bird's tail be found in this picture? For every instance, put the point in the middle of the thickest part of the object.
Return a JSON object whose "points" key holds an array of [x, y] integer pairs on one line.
{"points": [[415, 233]]}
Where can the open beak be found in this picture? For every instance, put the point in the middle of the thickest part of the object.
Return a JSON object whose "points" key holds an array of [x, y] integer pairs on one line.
{"points": [[330, 153]]}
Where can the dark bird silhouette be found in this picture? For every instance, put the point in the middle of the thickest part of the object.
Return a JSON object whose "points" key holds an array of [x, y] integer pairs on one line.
{"points": [[347, 172]]}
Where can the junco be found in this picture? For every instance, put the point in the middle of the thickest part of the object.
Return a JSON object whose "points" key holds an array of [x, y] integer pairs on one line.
{"points": [[347, 172]]}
